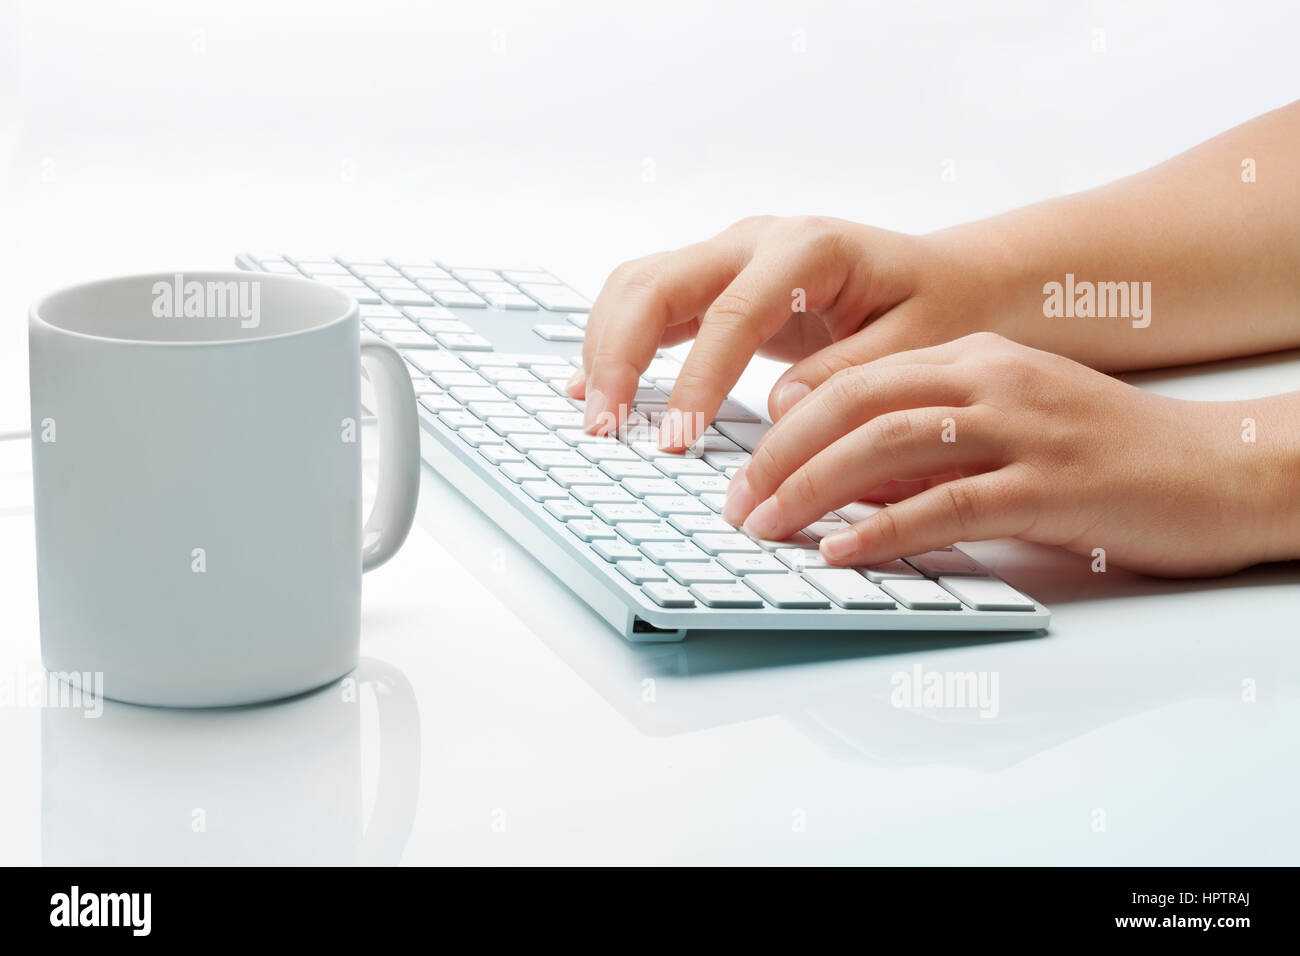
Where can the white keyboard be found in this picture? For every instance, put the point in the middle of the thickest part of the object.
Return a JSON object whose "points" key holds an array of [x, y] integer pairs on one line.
{"points": [[634, 531]]}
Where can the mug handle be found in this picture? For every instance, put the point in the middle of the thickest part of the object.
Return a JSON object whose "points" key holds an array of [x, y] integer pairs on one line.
{"points": [[399, 453]]}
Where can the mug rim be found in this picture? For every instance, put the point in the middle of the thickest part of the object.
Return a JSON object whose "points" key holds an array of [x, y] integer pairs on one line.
{"points": [[350, 306]]}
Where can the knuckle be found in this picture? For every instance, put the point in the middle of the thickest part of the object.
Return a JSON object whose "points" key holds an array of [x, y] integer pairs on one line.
{"points": [[763, 464], [963, 503], [731, 306], [802, 486], [846, 387], [637, 275], [885, 528], [892, 431]]}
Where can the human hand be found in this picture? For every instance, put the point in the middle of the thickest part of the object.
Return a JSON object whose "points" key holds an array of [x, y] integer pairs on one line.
{"points": [[792, 289], [1037, 446]]}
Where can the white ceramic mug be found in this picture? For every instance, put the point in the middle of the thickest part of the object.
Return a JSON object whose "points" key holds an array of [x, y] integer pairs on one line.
{"points": [[196, 446]]}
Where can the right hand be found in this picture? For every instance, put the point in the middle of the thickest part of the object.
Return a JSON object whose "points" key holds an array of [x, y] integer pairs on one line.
{"points": [[865, 292]]}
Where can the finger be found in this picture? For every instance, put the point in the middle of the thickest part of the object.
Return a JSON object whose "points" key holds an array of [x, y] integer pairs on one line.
{"points": [[639, 302], [904, 444], [845, 402], [893, 334], [576, 387], [744, 316], [894, 490], [997, 504]]}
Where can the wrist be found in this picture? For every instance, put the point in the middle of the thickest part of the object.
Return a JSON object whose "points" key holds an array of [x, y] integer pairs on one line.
{"points": [[975, 277], [1260, 462]]}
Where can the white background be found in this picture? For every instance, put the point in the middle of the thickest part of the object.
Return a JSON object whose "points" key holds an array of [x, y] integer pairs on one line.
{"points": [[142, 136]]}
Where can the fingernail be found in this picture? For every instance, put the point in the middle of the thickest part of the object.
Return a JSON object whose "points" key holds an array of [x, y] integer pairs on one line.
{"points": [[595, 411], [740, 500], [839, 546], [763, 520], [670, 430], [789, 395], [574, 385]]}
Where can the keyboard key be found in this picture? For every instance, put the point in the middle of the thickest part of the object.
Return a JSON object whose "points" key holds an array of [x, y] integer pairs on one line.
{"points": [[430, 362], [920, 594], [986, 594], [440, 403], [733, 411], [744, 434], [641, 487], [601, 494], [556, 298], [723, 460], [612, 549], [619, 470], [462, 300], [506, 373], [486, 410], [821, 529], [613, 451], [509, 300], [638, 533], [694, 572], [478, 436], [462, 378], [521, 388], [892, 569], [753, 564], [614, 513], [530, 275], [544, 490], [461, 342], [514, 426], [677, 465], [571, 477], [724, 543], [527, 443], [590, 529], [550, 458], [675, 505], [698, 484], [695, 524], [787, 591], [414, 339], [430, 313], [458, 419], [569, 419], [725, 595], [668, 594], [499, 454], [933, 564], [639, 572], [714, 501], [549, 371], [521, 471], [533, 404], [475, 394], [801, 559], [661, 552], [559, 333], [568, 511], [849, 589]]}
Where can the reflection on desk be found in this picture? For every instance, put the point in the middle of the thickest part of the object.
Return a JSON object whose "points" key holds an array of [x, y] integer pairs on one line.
{"points": [[276, 784]]}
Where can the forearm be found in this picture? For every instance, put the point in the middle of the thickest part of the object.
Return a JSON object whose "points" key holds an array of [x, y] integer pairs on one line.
{"points": [[1211, 262]]}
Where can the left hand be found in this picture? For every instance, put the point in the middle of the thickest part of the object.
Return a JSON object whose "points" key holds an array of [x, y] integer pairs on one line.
{"points": [[998, 439]]}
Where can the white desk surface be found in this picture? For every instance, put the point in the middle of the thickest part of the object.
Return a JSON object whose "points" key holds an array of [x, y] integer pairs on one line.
{"points": [[525, 731], [516, 727]]}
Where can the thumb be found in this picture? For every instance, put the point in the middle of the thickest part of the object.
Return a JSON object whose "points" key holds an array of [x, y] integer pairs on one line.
{"points": [[883, 336]]}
